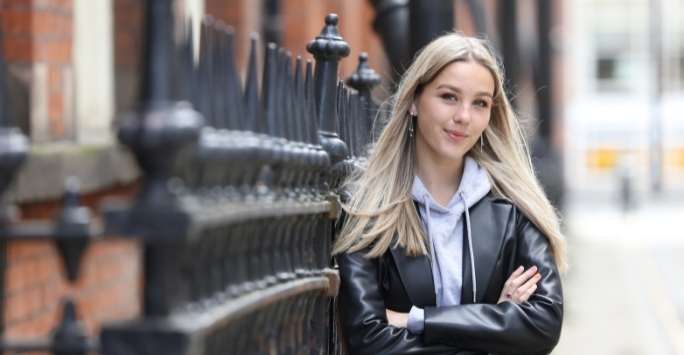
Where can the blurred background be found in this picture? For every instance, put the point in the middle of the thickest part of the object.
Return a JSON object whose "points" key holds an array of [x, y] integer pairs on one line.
{"points": [[599, 85]]}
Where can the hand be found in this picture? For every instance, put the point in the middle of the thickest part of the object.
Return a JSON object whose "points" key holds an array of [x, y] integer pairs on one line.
{"points": [[520, 285], [397, 319]]}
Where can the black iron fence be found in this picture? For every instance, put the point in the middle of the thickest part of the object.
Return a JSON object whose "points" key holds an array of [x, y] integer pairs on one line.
{"points": [[238, 199]]}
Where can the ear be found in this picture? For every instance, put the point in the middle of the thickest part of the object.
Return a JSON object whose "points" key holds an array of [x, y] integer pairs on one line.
{"points": [[413, 111]]}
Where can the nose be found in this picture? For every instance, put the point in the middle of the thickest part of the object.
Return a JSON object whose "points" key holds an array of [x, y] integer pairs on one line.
{"points": [[462, 114]]}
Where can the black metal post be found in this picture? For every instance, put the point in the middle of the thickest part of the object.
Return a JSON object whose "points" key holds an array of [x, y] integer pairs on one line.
{"points": [[507, 12], [272, 23], [544, 68], [364, 79], [429, 19], [13, 151], [392, 24], [157, 134], [546, 158], [479, 16], [328, 48], [161, 128]]}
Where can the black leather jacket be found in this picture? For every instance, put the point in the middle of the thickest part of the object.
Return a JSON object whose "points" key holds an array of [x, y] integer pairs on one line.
{"points": [[502, 240]]}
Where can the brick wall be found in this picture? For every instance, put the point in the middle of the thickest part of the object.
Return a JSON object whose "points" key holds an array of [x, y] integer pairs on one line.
{"points": [[37, 44], [128, 28], [108, 287], [302, 20]]}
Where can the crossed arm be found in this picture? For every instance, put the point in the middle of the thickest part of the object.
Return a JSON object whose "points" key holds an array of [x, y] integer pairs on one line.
{"points": [[517, 289], [507, 327]]}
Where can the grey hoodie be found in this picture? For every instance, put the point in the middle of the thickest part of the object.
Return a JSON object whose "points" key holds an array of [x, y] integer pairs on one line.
{"points": [[444, 226]]}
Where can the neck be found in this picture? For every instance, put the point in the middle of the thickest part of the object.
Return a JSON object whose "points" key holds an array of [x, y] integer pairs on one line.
{"points": [[440, 176]]}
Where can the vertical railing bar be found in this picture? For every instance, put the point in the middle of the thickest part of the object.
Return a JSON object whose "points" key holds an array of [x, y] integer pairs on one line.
{"points": [[252, 116]]}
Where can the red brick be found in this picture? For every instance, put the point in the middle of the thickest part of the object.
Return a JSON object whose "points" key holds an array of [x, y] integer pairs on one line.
{"points": [[18, 49], [55, 105], [11, 4], [20, 306], [53, 51], [15, 277], [16, 22], [55, 79], [51, 24], [45, 269]]}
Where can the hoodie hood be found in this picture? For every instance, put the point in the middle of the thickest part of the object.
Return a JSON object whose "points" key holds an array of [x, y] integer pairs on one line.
{"points": [[473, 187]]}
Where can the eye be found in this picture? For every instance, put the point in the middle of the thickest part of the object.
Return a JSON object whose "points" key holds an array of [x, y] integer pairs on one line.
{"points": [[481, 103], [448, 96]]}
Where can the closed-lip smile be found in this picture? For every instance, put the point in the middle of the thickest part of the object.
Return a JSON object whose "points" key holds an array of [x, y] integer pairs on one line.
{"points": [[455, 135]]}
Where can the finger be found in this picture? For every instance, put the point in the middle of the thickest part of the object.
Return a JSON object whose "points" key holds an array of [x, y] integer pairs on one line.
{"points": [[528, 293], [532, 281], [517, 272], [524, 277], [521, 291]]}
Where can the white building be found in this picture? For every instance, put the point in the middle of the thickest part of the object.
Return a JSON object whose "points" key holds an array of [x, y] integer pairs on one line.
{"points": [[615, 118]]}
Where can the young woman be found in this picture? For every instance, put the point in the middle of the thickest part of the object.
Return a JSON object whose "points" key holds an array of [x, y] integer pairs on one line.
{"points": [[449, 245]]}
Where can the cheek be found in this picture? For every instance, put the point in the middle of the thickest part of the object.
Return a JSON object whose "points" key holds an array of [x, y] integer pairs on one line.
{"points": [[483, 123]]}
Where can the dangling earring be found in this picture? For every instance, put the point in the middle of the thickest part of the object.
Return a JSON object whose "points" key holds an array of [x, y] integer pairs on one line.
{"points": [[482, 143], [411, 124]]}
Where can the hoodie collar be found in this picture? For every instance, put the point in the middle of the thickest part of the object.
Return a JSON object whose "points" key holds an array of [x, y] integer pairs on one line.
{"points": [[473, 187]]}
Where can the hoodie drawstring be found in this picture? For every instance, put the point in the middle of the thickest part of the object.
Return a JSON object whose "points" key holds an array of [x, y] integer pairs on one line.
{"points": [[426, 202], [470, 247]]}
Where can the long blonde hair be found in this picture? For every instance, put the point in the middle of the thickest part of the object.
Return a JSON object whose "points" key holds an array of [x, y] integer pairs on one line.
{"points": [[380, 206]]}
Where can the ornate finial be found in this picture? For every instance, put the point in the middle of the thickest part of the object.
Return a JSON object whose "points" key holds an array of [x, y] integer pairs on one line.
{"points": [[69, 337], [364, 78], [329, 44], [73, 231]]}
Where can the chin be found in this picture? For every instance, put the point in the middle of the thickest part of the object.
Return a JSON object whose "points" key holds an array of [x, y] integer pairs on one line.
{"points": [[453, 155]]}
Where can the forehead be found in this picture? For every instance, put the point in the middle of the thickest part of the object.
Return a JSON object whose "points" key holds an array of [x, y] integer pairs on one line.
{"points": [[466, 76]]}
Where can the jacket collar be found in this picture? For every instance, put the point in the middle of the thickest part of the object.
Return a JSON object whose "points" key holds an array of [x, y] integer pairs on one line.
{"points": [[416, 272]]}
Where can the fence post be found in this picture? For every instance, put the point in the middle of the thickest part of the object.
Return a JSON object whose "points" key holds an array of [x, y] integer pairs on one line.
{"points": [[364, 79], [328, 48]]}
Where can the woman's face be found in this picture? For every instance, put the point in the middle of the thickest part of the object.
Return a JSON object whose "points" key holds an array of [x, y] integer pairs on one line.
{"points": [[453, 110]]}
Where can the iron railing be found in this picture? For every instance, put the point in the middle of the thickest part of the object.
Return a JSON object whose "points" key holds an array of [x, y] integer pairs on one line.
{"points": [[238, 199]]}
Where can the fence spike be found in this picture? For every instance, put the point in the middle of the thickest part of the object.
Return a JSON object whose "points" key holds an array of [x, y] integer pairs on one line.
{"points": [[299, 102], [364, 79], [280, 96], [206, 72], [158, 53], [219, 75], [234, 109], [269, 89], [186, 82], [288, 98], [251, 98], [311, 104], [328, 48]]}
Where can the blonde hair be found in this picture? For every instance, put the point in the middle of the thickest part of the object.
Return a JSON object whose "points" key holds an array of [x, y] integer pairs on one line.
{"points": [[380, 206]]}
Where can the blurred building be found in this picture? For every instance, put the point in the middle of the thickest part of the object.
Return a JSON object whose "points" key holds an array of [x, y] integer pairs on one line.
{"points": [[624, 96]]}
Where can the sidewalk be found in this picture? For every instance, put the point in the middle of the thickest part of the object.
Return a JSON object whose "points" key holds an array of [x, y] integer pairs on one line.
{"points": [[624, 294]]}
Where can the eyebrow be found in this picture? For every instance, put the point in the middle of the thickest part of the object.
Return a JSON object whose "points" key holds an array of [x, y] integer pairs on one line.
{"points": [[453, 88]]}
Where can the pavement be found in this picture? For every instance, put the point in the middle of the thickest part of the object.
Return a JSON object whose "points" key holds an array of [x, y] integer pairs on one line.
{"points": [[624, 292]]}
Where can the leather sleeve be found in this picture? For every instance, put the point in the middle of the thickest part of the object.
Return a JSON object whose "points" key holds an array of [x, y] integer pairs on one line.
{"points": [[363, 318], [532, 327]]}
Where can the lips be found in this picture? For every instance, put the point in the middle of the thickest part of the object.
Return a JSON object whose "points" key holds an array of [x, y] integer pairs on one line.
{"points": [[455, 136]]}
